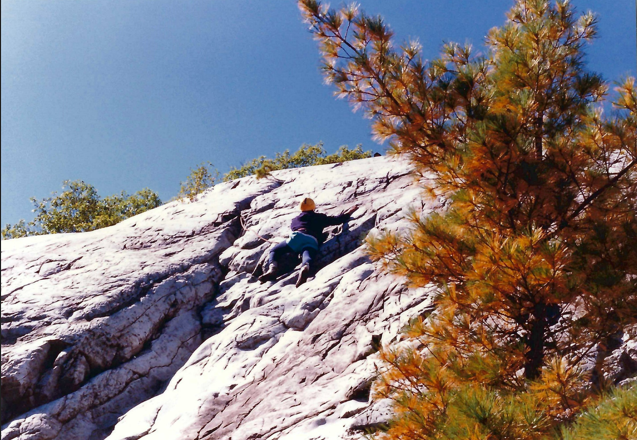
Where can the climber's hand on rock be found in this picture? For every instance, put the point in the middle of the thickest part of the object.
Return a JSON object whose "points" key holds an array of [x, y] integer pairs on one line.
{"points": [[351, 210]]}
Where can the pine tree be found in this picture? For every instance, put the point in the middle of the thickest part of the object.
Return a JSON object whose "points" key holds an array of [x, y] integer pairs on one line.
{"points": [[534, 255]]}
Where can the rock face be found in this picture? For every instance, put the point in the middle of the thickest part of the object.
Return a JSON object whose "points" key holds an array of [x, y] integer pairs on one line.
{"points": [[156, 329]]}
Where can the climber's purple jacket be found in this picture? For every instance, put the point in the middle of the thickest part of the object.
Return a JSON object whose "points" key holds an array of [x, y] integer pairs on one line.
{"points": [[312, 223]]}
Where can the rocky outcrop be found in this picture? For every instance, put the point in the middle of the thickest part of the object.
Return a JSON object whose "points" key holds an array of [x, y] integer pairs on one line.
{"points": [[94, 323], [156, 328], [165, 304]]}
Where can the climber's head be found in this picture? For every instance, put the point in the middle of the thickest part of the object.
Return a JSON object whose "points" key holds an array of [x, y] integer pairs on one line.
{"points": [[307, 204]]}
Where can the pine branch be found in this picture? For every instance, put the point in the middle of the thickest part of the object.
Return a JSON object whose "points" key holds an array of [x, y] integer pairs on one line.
{"points": [[591, 198]]}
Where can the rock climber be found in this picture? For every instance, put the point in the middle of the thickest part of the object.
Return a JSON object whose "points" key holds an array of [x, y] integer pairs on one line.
{"points": [[305, 239]]}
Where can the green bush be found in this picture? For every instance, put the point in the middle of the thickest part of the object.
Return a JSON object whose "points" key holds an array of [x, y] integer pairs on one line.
{"points": [[79, 208], [613, 417], [200, 179], [306, 155], [20, 229]]}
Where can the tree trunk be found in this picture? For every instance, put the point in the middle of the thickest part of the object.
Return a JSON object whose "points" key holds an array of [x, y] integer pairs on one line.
{"points": [[535, 339], [538, 136], [535, 342]]}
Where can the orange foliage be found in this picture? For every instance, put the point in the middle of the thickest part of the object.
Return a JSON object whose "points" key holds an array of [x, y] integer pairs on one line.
{"points": [[534, 255]]}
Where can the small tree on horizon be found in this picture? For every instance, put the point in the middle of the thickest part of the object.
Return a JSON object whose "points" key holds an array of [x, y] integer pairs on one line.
{"points": [[204, 176], [533, 255]]}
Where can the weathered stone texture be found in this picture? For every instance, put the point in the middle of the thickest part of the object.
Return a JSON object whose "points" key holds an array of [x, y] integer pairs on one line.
{"points": [[156, 328], [164, 304]]}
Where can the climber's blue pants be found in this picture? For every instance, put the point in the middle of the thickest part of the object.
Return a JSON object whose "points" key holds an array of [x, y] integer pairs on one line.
{"points": [[282, 248]]}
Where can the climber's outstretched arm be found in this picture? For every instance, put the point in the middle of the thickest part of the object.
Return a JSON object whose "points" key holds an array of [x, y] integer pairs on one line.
{"points": [[339, 219]]}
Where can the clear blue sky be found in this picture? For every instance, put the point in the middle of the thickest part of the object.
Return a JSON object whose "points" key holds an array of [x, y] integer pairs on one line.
{"points": [[127, 94]]}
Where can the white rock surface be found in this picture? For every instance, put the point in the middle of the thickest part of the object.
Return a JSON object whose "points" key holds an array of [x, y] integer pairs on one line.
{"points": [[164, 305], [156, 329]]}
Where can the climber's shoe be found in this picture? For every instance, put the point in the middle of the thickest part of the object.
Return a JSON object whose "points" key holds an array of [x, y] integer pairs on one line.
{"points": [[303, 274], [273, 270]]}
